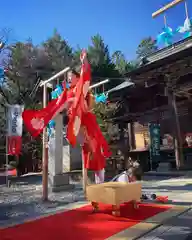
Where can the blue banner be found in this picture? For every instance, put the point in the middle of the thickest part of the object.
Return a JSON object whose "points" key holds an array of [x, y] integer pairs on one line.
{"points": [[154, 131], [2, 74]]}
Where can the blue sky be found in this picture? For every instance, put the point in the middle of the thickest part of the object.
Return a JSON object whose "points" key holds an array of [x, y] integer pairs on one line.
{"points": [[122, 23]]}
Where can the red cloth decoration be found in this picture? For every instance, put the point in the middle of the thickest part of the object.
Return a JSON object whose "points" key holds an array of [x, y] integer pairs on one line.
{"points": [[95, 149], [14, 145], [162, 199], [37, 120]]}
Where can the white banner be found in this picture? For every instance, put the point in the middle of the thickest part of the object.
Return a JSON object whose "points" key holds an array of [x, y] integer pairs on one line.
{"points": [[15, 120]]}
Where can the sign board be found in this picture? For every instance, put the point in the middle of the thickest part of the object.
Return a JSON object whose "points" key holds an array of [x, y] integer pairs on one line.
{"points": [[15, 120], [154, 131], [14, 128]]}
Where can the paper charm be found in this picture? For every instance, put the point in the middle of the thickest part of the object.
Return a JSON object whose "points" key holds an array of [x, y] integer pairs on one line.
{"points": [[57, 92], [101, 98], [186, 29]]}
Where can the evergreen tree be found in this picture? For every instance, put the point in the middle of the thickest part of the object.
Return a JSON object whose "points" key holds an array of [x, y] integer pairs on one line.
{"points": [[146, 47], [58, 51], [120, 62]]}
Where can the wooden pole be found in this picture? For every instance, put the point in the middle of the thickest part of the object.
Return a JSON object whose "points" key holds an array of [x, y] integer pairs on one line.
{"points": [[84, 170], [165, 8], [186, 10], [165, 20], [7, 156], [84, 176], [131, 134], [55, 76], [99, 83], [45, 151]]}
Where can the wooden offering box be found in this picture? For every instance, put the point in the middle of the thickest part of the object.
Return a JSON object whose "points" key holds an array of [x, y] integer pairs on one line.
{"points": [[114, 193]]}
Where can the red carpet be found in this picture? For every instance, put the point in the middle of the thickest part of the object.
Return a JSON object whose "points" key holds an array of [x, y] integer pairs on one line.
{"points": [[82, 224]]}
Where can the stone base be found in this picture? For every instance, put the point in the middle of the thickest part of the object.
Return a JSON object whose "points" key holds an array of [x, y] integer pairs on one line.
{"points": [[163, 167], [60, 183], [61, 188]]}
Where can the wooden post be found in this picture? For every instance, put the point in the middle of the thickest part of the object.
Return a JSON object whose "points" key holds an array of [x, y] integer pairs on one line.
{"points": [[7, 162], [176, 130], [84, 170], [84, 177], [45, 151], [7, 156], [131, 136]]}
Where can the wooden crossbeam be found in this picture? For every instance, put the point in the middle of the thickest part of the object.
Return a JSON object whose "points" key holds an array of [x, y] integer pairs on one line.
{"points": [[165, 8]]}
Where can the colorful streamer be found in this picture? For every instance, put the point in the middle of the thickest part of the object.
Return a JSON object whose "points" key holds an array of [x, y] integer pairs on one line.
{"points": [[57, 92], [54, 95], [2, 73], [166, 36], [102, 98]]}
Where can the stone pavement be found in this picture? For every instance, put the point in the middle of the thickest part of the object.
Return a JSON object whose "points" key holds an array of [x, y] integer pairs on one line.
{"points": [[23, 202], [178, 190], [170, 173], [148, 225], [178, 228]]}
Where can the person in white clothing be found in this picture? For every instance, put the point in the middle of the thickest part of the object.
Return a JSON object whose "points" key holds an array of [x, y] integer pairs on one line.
{"points": [[100, 176], [126, 176]]}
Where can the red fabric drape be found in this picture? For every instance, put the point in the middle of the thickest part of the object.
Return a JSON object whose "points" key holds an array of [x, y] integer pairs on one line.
{"points": [[14, 145], [37, 120], [79, 106], [95, 149]]}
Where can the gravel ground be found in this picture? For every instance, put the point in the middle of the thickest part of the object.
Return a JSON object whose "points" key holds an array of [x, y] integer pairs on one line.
{"points": [[23, 199], [19, 203]]}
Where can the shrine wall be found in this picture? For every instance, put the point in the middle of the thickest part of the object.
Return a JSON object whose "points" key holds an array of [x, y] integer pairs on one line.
{"points": [[163, 117]]}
